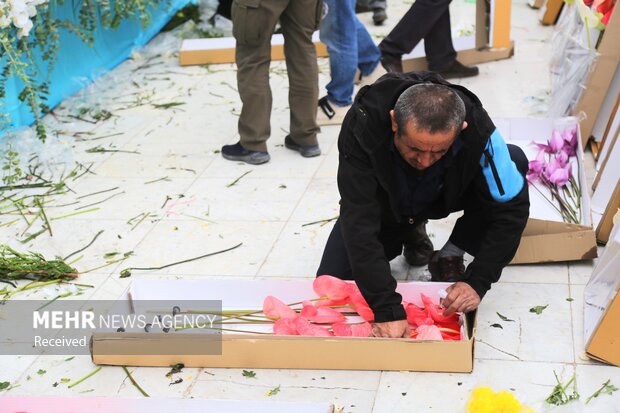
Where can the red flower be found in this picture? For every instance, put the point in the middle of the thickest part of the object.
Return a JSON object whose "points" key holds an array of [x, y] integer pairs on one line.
{"points": [[436, 313], [416, 315]]}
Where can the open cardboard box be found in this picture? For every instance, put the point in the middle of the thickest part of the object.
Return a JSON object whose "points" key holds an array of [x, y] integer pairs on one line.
{"points": [[270, 351], [222, 50], [490, 42], [546, 237], [602, 305]]}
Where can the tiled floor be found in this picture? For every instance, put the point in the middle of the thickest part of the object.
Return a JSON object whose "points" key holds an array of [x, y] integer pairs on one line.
{"points": [[182, 188]]}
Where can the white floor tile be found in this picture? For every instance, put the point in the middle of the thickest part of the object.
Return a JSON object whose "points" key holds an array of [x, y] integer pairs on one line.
{"points": [[403, 392], [249, 199], [546, 337], [172, 241]]}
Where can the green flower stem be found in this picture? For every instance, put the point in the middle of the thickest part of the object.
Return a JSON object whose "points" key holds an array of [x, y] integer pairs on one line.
{"points": [[89, 375]]}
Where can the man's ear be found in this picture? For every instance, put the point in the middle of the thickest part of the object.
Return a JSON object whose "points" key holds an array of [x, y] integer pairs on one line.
{"points": [[394, 125], [464, 125]]}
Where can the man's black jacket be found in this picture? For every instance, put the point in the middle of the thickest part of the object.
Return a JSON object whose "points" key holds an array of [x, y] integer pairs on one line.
{"points": [[481, 173]]}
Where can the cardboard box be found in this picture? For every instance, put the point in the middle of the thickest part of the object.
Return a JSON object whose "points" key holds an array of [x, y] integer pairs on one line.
{"points": [[546, 237], [551, 11], [222, 50], [490, 42], [269, 351], [601, 76], [602, 305]]}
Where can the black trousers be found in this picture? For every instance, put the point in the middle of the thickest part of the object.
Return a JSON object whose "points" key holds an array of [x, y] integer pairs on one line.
{"points": [[428, 20], [467, 234]]}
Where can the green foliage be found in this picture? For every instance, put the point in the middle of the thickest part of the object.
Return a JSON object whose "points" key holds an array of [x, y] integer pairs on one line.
{"points": [[17, 58], [559, 396], [17, 266], [11, 172]]}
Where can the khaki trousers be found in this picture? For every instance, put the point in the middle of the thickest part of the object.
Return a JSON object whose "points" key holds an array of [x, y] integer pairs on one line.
{"points": [[253, 25]]}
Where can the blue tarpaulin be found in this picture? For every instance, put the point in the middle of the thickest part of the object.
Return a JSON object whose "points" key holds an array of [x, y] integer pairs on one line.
{"points": [[77, 61]]}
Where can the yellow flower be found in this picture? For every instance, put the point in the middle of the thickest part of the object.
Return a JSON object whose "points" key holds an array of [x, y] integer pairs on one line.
{"points": [[485, 400]]}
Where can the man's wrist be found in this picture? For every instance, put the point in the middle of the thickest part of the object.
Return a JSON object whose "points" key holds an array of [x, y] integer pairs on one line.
{"points": [[394, 313]]}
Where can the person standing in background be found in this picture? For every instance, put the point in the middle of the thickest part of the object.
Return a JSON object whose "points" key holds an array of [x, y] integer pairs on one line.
{"points": [[253, 25], [350, 49], [376, 6], [428, 20]]}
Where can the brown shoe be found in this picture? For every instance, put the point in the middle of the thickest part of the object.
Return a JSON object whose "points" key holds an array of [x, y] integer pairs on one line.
{"points": [[446, 269]]}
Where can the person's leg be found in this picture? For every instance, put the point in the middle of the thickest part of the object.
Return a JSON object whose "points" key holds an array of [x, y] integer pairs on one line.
{"points": [[368, 54], [418, 247], [335, 260], [224, 8], [252, 29], [413, 27], [438, 45], [299, 20], [338, 32]]}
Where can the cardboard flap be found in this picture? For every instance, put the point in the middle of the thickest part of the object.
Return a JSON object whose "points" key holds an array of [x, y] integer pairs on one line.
{"points": [[538, 227]]}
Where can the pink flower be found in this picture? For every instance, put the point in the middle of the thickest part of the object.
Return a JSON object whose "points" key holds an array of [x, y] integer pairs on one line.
{"points": [[558, 174], [331, 287], [556, 143], [562, 158], [570, 142], [285, 327], [427, 332], [365, 312], [276, 309], [322, 315], [305, 328], [352, 330], [536, 167]]}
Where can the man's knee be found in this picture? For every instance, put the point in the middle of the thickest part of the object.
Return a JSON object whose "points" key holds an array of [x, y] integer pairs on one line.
{"points": [[518, 157]]}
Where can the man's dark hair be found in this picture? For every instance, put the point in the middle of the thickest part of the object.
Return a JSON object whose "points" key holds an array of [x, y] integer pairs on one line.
{"points": [[432, 108]]}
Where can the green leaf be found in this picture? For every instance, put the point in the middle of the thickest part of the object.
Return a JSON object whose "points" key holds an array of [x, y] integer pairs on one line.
{"points": [[606, 388], [249, 374], [4, 385], [538, 309], [65, 380], [503, 317], [569, 299], [273, 391], [41, 372], [559, 396], [496, 325]]}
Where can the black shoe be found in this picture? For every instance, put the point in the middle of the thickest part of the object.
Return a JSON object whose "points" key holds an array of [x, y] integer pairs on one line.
{"points": [[457, 70], [379, 16], [418, 247], [307, 151], [446, 269], [392, 64], [237, 152]]}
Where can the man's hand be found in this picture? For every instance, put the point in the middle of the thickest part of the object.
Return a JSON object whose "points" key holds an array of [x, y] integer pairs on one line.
{"points": [[461, 298], [391, 329]]}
